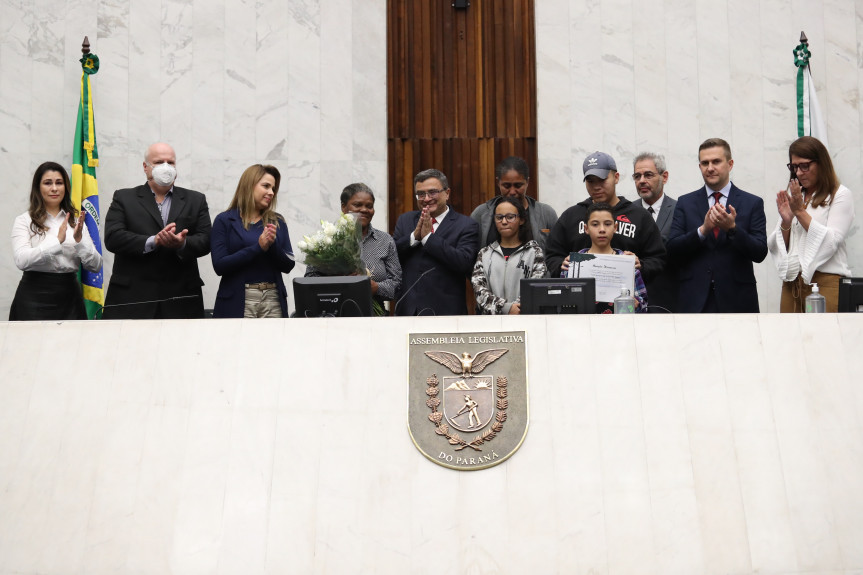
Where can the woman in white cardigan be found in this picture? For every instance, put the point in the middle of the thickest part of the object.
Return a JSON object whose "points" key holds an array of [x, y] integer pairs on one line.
{"points": [[815, 215]]}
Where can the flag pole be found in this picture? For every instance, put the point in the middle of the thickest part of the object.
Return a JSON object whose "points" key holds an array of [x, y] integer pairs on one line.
{"points": [[85, 189], [810, 121]]}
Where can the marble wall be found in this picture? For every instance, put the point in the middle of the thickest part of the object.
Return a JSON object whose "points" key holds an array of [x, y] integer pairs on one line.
{"points": [[229, 83], [740, 457], [664, 75], [301, 84]]}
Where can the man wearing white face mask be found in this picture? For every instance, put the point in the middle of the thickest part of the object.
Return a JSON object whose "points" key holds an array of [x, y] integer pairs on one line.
{"points": [[157, 232]]}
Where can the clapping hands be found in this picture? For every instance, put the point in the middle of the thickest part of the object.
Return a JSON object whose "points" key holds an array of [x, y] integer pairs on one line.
{"points": [[268, 236], [77, 231], [167, 238], [424, 225]]}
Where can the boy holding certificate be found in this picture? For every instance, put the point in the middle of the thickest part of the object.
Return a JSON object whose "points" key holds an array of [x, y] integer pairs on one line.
{"points": [[600, 226]]}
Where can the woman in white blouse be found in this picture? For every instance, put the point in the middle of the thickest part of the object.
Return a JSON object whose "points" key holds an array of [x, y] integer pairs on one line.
{"points": [[50, 242], [808, 244]]}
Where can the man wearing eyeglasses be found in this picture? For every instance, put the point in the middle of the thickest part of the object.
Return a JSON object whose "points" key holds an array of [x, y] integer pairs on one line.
{"points": [[437, 248], [716, 234], [650, 175], [636, 231]]}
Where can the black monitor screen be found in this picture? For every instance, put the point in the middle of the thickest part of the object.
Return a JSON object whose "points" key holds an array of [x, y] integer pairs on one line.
{"points": [[558, 296], [850, 295], [334, 296]]}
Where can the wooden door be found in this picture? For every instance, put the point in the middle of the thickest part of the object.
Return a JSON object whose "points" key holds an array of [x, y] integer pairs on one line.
{"points": [[461, 89]]}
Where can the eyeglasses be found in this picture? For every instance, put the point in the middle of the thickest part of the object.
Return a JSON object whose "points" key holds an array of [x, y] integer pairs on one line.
{"points": [[507, 217], [429, 193], [802, 166], [646, 175], [513, 185]]}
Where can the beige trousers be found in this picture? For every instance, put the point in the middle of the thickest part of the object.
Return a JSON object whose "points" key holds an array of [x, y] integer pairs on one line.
{"points": [[262, 303]]}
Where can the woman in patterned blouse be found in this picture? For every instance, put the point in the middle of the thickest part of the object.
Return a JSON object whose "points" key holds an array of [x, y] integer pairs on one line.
{"points": [[378, 248]]}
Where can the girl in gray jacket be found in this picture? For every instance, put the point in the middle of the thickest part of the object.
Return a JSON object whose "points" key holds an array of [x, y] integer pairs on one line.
{"points": [[501, 265]]}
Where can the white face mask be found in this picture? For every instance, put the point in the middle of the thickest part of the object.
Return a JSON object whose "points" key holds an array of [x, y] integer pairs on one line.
{"points": [[164, 174]]}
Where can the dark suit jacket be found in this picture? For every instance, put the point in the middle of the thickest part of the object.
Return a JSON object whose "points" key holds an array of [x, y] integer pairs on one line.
{"points": [[232, 256], [138, 277], [665, 216], [450, 253], [725, 260], [662, 289]]}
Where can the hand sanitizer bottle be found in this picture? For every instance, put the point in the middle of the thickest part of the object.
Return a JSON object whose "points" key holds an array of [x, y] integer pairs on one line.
{"points": [[624, 303], [815, 302]]}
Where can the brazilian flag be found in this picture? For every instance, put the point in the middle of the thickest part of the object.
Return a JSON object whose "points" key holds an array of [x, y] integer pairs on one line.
{"points": [[85, 190]]}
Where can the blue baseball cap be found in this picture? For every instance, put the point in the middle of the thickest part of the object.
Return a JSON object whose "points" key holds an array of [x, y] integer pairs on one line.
{"points": [[598, 164]]}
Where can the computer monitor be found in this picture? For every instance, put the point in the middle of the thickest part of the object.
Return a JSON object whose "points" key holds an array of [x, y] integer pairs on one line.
{"points": [[558, 295], [333, 296], [850, 295]]}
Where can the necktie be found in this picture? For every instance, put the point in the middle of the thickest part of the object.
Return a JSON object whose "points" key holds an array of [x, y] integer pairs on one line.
{"points": [[716, 197], [434, 221], [650, 210]]}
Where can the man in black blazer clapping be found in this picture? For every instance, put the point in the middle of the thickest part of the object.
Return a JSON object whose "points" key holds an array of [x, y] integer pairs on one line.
{"points": [[437, 248], [157, 231]]}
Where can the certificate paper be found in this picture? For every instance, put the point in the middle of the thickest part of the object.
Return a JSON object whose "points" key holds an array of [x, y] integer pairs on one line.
{"points": [[610, 271]]}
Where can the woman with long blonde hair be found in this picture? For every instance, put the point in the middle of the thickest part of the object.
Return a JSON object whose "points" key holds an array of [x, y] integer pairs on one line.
{"points": [[251, 249]]}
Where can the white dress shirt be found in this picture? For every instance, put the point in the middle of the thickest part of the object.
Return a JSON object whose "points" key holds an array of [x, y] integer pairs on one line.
{"points": [[711, 201], [44, 253], [822, 248], [657, 205]]}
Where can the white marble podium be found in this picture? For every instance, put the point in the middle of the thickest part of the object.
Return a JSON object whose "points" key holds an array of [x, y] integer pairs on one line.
{"points": [[657, 445]]}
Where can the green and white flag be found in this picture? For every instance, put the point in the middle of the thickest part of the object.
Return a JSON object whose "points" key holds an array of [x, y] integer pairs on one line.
{"points": [[810, 121]]}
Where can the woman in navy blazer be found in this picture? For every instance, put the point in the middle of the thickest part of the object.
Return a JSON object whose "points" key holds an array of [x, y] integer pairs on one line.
{"points": [[251, 249]]}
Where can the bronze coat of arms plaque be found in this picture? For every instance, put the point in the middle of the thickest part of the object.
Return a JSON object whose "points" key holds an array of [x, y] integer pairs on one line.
{"points": [[467, 397]]}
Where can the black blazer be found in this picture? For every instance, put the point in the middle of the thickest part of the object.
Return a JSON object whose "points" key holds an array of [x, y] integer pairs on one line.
{"points": [[662, 288], [726, 261], [161, 274], [666, 216], [450, 252]]}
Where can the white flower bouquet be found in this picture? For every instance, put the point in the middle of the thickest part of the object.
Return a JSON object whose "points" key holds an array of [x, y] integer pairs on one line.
{"points": [[335, 249]]}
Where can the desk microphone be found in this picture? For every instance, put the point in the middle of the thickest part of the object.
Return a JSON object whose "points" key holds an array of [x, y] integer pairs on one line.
{"points": [[422, 275]]}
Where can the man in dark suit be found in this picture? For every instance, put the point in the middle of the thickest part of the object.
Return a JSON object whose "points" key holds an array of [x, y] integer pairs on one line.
{"points": [[650, 176], [716, 234], [437, 248], [157, 232]]}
